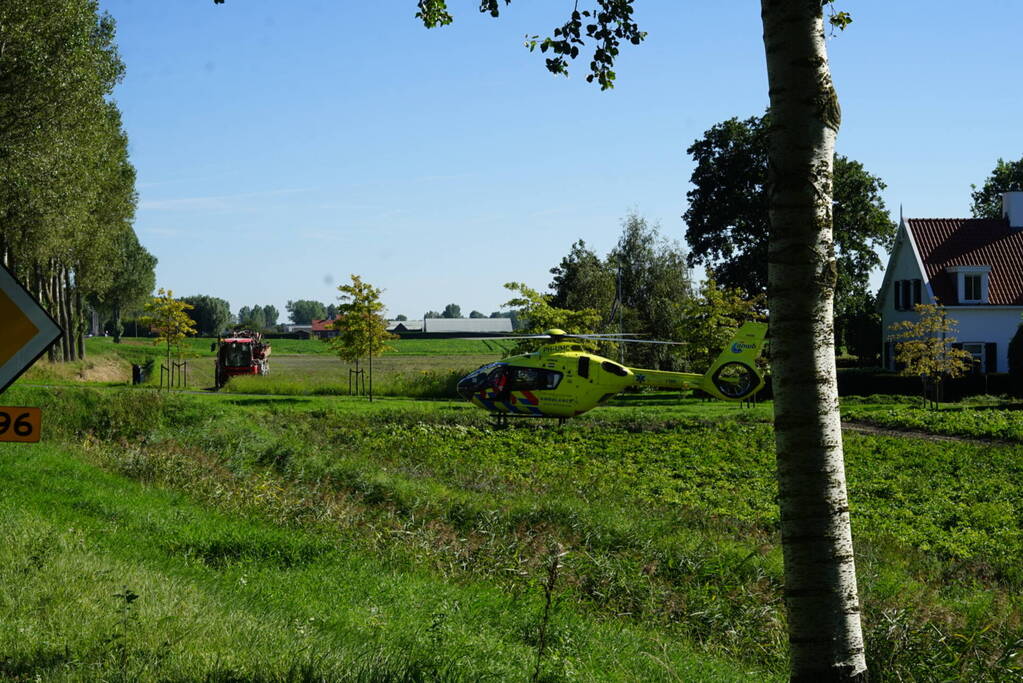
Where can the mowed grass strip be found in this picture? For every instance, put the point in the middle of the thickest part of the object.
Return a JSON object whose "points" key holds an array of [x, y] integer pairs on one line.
{"points": [[105, 579]]}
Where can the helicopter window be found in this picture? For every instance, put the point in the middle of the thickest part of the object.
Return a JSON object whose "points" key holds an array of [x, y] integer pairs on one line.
{"points": [[531, 378], [614, 368], [584, 366], [480, 378]]}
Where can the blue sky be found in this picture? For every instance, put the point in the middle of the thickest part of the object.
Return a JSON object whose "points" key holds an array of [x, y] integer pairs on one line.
{"points": [[282, 146]]}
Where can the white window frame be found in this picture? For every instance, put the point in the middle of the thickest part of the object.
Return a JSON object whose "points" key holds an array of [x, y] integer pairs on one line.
{"points": [[970, 279], [978, 351], [961, 273]]}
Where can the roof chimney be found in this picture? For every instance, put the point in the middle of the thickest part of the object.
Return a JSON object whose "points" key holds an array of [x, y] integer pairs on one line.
{"points": [[1012, 208]]}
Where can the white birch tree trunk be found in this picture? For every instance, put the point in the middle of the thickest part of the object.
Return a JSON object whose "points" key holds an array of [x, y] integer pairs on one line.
{"points": [[820, 576]]}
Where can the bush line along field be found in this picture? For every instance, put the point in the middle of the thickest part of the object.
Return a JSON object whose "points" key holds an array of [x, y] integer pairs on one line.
{"points": [[441, 530]]}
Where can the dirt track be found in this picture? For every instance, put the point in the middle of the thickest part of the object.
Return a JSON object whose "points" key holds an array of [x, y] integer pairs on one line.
{"points": [[867, 428]]}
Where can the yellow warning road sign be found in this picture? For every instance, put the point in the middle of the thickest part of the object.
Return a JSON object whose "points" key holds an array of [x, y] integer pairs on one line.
{"points": [[26, 330]]}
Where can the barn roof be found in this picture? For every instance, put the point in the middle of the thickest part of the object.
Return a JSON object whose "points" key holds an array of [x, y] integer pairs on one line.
{"points": [[468, 325], [323, 325]]}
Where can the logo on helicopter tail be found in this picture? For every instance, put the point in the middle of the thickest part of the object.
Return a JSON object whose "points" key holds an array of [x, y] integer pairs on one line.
{"points": [[739, 347]]}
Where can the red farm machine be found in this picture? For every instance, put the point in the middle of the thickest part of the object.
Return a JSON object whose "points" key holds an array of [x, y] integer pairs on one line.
{"points": [[241, 352]]}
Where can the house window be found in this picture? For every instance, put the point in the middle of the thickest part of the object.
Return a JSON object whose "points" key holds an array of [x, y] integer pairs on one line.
{"points": [[976, 349], [971, 287], [971, 283], [908, 293]]}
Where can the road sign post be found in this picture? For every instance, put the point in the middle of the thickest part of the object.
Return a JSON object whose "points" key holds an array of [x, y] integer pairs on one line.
{"points": [[26, 331]]}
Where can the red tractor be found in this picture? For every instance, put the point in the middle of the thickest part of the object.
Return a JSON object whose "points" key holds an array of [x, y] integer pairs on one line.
{"points": [[240, 353]]}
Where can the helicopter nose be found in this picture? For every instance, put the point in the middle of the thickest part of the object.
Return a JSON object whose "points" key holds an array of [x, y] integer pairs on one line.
{"points": [[466, 387]]}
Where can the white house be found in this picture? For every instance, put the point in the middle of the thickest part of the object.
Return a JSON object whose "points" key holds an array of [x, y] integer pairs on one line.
{"points": [[971, 266]]}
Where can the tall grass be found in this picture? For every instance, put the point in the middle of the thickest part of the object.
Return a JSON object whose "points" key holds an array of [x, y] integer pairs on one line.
{"points": [[670, 523], [413, 384], [262, 580]]}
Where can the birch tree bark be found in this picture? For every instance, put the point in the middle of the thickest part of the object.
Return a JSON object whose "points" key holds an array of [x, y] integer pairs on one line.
{"points": [[820, 576]]}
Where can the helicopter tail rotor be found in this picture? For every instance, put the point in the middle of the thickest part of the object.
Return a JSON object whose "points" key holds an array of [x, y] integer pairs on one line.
{"points": [[734, 375]]}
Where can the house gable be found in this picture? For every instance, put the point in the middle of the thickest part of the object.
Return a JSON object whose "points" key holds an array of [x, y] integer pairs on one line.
{"points": [[904, 265]]}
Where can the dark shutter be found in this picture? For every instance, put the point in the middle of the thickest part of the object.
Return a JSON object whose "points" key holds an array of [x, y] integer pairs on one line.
{"points": [[917, 292], [898, 295], [991, 357]]}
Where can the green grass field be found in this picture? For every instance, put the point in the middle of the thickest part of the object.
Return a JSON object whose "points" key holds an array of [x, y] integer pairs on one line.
{"points": [[198, 347], [328, 537], [417, 367]]}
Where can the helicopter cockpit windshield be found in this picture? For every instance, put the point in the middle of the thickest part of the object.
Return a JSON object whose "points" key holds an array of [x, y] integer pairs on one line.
{"points": [[502, 377], [477, 380]]}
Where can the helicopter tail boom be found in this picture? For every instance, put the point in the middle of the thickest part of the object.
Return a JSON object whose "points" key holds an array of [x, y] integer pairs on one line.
{"points": [[732, 377], [664, 379]]}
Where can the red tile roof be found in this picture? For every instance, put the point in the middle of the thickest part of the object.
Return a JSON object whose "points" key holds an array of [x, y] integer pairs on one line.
{"points": [[945, 242], [323, 325]]}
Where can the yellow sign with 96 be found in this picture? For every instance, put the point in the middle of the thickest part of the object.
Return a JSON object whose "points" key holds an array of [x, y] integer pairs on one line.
{"points": [[20, 424]]}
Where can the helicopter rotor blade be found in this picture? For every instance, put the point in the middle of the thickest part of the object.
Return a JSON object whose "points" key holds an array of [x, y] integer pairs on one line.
{"points": [[522, 336], [610, 336], [646, 341]]}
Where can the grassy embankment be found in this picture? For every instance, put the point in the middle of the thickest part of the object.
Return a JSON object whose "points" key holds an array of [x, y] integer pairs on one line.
{"points": [[667, 515]]}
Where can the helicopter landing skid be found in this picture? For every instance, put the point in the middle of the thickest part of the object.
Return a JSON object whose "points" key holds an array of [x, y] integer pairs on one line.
{"points": [[503, 420]]}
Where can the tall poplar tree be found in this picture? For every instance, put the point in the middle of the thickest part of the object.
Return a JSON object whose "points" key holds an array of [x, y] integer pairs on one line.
{"points": [[66, 185]]}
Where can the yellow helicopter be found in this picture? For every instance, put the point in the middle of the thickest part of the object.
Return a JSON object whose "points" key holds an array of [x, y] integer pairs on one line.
{"points": [[563, 380]]}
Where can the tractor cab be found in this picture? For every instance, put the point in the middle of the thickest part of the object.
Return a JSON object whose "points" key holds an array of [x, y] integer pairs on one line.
{"points": [[242, 353]]}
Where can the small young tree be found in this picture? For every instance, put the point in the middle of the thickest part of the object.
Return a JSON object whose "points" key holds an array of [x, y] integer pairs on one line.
{"points": [[925, 347], [362, 329], [169, 318]]}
